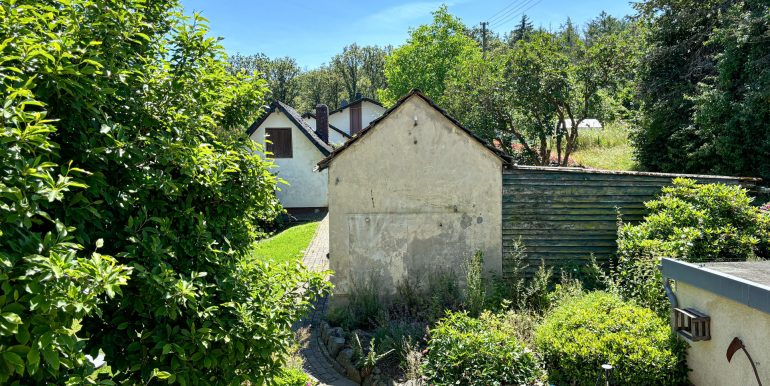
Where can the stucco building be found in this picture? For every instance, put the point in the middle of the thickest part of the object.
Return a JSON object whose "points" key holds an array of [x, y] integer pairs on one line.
{"points": [[723, 312], [296, 143], [411, 193], [354, 116]]}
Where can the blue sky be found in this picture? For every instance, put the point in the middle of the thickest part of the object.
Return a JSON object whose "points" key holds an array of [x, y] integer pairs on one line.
{"points": [[313, 31]]}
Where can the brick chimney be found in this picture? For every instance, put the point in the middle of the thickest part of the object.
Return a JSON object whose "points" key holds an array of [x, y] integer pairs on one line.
{"points": [[322, 122]]}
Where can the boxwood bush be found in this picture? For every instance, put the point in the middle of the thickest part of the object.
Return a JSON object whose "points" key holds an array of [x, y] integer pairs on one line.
{"points": [[597, 328], [692, 222], [478, 351]]}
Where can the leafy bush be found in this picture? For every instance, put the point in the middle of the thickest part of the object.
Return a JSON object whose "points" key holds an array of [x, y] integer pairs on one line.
{"points": [[111, 120], [478, 351], [691, 222], [590, 330]]}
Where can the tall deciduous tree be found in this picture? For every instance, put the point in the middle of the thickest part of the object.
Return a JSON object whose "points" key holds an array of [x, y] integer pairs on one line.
{"points": [[280, 73], [321, 85], [539, 92], [425, 61]]}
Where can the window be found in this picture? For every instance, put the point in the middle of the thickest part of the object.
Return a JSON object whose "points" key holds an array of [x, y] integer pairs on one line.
{"points": [[279, 142]]}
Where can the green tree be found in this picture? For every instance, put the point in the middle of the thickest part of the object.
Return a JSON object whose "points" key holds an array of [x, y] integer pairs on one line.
{"points": [[525, 92], [731, 107], [521, 32], [321, 85], [427, 58], [114, 168], [361, 70], [677, 60], [280, 73]]}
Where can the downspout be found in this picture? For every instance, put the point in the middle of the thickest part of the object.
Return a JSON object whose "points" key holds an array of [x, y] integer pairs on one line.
{"points": [[672, 299], [670, 293]]}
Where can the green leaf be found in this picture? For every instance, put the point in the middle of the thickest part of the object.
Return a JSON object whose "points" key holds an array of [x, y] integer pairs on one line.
{"points": [[13, 362], [9, 323], [52, 358]]}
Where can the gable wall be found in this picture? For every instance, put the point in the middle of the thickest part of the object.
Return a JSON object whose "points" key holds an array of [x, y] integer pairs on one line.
{"points": [[406, 201], [369, 112], [306, 188]]}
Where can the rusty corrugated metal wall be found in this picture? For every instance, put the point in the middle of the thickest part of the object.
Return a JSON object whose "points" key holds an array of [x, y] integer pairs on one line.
{"points": [[563, 215]]}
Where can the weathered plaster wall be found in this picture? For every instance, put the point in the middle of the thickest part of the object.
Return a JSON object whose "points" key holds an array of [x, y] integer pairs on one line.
{"points": [[369, 112], [306, 188], [408, 199], [729, 319]]}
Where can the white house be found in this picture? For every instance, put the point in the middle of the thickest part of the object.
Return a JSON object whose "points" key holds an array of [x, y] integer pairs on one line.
{"points": [[355, 116], [296, 143]]}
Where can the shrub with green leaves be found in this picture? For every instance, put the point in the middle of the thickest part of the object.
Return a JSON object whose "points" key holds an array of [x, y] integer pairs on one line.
{"points": [[691, 222], [126, 217], [584, 332], [478, 351]]}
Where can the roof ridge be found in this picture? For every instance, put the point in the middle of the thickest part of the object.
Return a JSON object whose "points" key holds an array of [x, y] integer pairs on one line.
{"points": [[295, 118], [324, 163]]}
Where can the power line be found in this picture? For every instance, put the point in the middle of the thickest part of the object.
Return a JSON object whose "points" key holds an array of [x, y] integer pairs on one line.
{"points": [[513, 3], [523, 12], [512, 13]]}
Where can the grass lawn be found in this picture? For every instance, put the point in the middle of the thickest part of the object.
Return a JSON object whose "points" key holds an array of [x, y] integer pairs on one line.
{"points": [[287, 246], [619, 157], [608, 149]]}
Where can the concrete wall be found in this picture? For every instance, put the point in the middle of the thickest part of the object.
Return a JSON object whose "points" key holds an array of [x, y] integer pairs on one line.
{"points": [[369, 112], [408, 199], [306, 188], [729, 319]]}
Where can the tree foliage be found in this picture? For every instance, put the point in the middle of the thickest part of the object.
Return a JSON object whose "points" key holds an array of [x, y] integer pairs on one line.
{"points": [[525, 92], [281, 74], [125, 220], [428, 57], [361, 70], [704, 87]]}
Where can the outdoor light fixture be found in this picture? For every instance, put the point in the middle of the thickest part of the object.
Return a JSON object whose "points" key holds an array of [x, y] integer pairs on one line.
{"points": [[692, 324]]}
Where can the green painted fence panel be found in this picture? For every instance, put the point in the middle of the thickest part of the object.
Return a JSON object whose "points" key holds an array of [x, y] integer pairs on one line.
{"points": [[562, 216]]}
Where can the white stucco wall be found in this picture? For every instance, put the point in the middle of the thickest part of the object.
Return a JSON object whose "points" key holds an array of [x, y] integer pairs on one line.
{"points": [[729, 319], [335, 138], [406, 200], [369, 112], [306, 188]]}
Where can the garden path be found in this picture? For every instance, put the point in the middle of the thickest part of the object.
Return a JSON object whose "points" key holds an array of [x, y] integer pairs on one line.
{"points": [[316, 363]]}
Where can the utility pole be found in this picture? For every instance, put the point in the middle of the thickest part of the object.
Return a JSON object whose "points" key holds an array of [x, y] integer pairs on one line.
{"points": [[484, 38]]}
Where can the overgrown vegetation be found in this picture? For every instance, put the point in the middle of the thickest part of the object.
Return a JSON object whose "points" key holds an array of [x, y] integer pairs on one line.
{"points": [[607, 148], [479, 351], [125, 217], [691, 222], [600, 328]]}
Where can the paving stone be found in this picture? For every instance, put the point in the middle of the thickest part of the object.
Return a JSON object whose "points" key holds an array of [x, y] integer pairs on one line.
{"points": [[317, 366]]}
